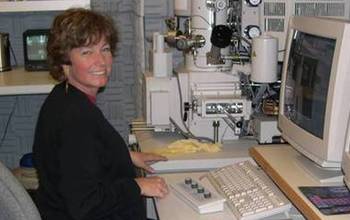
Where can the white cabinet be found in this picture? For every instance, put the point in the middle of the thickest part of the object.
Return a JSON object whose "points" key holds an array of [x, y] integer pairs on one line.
{"points": [[48, 5], [18, 81]]}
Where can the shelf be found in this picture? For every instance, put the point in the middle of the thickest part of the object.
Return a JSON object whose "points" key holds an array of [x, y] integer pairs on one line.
{"points": [[20, 82], [45, 5]]}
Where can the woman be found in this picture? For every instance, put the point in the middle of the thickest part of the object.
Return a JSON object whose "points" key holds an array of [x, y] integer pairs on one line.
{"points": [[85, 169]]}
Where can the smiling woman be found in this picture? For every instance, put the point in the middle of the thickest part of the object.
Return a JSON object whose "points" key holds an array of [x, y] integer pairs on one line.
{"points": [[90, 67], [85, 169]]}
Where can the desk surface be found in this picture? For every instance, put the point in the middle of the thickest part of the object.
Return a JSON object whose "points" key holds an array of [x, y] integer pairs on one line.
{"points": [[280, 163], [19, 82]]}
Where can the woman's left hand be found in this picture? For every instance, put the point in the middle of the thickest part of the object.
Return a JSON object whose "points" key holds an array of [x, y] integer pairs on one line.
{"points": [[144, 160]]}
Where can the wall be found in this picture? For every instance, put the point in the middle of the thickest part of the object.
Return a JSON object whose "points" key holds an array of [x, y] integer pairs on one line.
{"points": [[118, 101]]}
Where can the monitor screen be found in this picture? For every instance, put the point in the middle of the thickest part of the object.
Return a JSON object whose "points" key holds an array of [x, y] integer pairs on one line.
{"points": [[307, 81], [36, 47]]}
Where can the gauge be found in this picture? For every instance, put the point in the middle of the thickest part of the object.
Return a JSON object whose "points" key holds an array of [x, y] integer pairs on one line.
{"points": [[253, 3], [252, 31], [220, 4]]}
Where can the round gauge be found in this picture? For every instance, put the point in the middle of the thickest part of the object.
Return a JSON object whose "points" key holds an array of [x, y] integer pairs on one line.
{"points": [[220, 4], [254, 2], [252, 31]]}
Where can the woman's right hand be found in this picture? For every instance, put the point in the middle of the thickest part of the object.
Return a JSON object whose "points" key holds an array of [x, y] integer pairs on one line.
{"points": [[153, 186]]}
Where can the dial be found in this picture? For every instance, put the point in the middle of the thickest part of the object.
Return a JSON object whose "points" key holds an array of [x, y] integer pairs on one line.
{"points": [[254, 2], [220, 4], [252, 31]]}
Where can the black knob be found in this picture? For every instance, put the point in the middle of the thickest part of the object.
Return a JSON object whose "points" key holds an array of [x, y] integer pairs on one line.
{"points": [[221, 36], [207, 195], [188, 180], [200, 190], [194, 185]]}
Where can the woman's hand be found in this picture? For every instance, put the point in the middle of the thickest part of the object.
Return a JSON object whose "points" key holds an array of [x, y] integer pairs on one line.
{"points": [[153, 186], [144, 160]]}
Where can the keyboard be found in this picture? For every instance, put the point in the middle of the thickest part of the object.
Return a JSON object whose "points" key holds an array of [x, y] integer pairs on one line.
{"points": [[249, 192]]}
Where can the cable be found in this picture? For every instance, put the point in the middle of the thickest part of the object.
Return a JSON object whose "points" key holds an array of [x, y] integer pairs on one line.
{"points": [[200, 16], [155, 208], [8, 122], [181, 100], [13, 54], [190, 134], [187, 134]]}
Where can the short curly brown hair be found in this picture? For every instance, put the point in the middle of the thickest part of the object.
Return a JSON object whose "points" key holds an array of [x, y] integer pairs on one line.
{"points": [[75, 28]]}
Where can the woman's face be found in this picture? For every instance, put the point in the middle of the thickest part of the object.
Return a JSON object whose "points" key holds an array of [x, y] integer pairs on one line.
{"points": [[90, 67]]}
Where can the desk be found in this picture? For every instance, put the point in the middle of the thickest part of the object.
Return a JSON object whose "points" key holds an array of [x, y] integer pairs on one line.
{"points": [[20, 82], [280, 163], [180, 166]]}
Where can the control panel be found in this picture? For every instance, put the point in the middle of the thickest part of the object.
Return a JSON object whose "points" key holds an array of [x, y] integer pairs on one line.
{"points": [[197, 196]]}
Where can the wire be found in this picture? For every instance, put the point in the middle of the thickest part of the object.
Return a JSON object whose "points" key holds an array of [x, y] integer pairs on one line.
{"points": [[13, 54], [181, 100], [187, 134], [8, 122], [200, 16], [155, 208]]}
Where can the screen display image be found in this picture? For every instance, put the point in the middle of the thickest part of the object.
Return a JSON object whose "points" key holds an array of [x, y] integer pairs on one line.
{"points": [[36, 47], [307, 81]]}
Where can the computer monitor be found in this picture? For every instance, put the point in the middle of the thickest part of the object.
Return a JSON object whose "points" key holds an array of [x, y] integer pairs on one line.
{"points": [[314, 101]]}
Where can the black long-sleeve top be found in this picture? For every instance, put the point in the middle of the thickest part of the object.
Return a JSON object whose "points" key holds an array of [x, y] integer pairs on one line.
{"points": [[84, 167]]}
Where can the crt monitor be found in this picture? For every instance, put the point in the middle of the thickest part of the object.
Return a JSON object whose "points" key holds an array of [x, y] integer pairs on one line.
{"points": [[34, 47], [314, 101]]}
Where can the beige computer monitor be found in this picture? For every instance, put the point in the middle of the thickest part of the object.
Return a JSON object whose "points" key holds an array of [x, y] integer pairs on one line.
{"points": [[314, 101]]}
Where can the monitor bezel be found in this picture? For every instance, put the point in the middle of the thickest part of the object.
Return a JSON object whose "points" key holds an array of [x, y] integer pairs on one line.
{"points": [[337, 108], [34, 65]]}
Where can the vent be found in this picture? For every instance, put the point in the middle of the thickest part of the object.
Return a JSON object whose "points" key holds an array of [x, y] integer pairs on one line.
{"points": [[274, 24], [274, 9], [320, 9]]}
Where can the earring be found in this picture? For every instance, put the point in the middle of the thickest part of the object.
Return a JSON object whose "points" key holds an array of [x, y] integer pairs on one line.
{"points": [[66, 73], [66, 86]]}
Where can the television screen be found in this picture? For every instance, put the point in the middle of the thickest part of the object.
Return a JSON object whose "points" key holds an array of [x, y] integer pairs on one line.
{"points": [[34, 45]]}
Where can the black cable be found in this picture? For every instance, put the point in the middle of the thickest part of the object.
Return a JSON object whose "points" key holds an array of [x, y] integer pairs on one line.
{"points": [[13, 54], [8, 122], [188, 133], [155, 208]]}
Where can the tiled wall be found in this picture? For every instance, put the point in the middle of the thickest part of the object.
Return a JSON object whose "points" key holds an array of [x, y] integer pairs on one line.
{"points": [[120, 99]]}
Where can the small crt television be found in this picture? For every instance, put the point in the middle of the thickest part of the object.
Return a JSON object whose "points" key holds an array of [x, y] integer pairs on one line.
{"points": [[34, 47]]}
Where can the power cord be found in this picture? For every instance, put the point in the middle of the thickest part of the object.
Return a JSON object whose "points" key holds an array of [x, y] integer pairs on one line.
{"points": [[155, 208], [13, 54], [8, 122]]}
